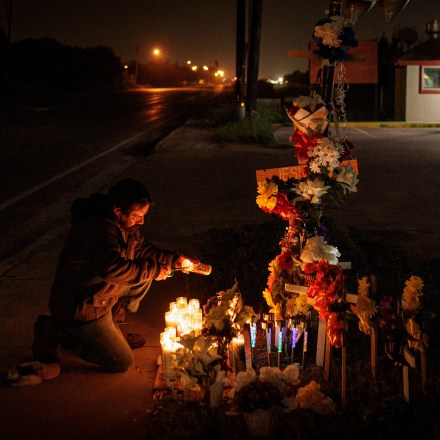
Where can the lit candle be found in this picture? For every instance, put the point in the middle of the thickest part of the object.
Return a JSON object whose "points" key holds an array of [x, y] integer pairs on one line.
{"points": [[253, 335], [269, 339], [170, 319], [170, 332], [194, 303], [280, 340], [294, 335], [182, 300], [239, 353]]}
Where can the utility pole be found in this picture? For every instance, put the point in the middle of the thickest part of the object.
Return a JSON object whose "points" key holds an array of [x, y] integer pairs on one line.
{"points": [[136, 65], [254, 55], [240, 56], [8, 41]]}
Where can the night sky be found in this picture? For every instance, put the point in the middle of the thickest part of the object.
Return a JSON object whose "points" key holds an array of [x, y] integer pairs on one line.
{"points": [[202, 31]]}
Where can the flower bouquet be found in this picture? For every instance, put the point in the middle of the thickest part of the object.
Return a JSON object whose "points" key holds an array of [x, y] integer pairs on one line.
{"points": [[200, 367], [306, 258], [334, 37], [202, 362], [257, 396]]}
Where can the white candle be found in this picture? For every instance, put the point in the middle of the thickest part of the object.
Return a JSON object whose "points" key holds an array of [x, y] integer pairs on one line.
{"points": [[194, 303], [170, 319]]}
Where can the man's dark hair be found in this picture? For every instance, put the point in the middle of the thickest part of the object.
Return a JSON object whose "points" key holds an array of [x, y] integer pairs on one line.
{"points": [[127, 193]]}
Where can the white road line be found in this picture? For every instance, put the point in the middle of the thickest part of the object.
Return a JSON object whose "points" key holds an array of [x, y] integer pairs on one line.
{"points": [[365, 132], [36, 188]]}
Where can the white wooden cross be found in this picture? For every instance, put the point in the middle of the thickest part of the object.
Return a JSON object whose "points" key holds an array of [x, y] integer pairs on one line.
{"points": [[323, 347]]}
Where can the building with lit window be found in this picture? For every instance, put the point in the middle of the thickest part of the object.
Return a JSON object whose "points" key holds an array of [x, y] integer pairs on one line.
{"points": [[418, 80]]}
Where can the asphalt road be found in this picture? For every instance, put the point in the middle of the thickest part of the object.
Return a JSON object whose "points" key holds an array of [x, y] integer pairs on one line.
{"points": [[50, 149]]}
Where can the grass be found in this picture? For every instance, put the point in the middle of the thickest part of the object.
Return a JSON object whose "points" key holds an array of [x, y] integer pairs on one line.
{"points": [[231, 124]]}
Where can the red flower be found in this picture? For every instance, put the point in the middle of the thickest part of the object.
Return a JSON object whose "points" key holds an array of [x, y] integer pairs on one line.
{"points": [[303, 143]]}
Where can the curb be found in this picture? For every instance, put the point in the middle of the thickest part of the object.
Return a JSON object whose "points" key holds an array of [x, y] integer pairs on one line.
{"points": [[392, 124]]}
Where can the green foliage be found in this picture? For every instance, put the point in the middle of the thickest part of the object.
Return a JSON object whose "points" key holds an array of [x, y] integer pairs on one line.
{"points": [[255, 129]]}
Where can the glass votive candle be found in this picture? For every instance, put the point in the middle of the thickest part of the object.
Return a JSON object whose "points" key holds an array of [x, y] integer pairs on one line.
{"points": [[172, 306], [194, 303], [170, 319], [182, 300], [171, 332], [198, 320]]}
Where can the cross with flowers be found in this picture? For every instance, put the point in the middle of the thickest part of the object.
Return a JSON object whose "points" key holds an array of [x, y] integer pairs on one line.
{"points": [[325, 169]]}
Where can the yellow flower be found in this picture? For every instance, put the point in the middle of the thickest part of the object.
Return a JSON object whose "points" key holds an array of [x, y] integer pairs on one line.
{"points": [[311, 397], [363, 286], [267, 194], [365, 308], [268, 297], [411, 293]]}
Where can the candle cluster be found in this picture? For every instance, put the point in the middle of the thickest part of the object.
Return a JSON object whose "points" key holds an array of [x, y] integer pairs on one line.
{"points": [[186, 316], [183, 318]]}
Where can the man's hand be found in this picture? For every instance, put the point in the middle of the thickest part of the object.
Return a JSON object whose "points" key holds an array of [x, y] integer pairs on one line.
{"points": [[184, 262], [165, 272]]}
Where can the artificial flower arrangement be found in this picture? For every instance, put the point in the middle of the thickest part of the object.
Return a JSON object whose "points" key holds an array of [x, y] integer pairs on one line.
{"points": [[275, 388], [270, 388], [201, 362], [334, 37], [311, 397], [306, 258], [325, 170], [365, 308], [225, 317], [399, 321]]}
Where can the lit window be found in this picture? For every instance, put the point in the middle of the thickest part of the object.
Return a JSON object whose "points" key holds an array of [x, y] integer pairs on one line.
{"points": [[430, 79]]}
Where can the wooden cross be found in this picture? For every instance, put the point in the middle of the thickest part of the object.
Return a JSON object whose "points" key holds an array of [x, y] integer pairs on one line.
{"points": [[323, 346]]}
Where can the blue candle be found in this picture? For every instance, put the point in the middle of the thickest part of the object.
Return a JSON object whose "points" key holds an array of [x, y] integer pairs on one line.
{"points": [[294, 335], [254, 335]]}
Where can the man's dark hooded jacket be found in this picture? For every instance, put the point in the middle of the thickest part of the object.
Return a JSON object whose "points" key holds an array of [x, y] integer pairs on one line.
{"points": [[98, 265]]}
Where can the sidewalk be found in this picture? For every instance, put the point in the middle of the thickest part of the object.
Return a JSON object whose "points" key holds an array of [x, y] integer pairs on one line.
{"points": [[199, 185]]}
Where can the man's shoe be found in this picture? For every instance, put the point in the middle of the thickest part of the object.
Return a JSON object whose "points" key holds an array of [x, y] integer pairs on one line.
{"points": [[46, 340], [135, 340]]}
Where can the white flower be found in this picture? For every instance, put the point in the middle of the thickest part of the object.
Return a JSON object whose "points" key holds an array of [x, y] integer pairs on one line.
{"points": [[272, 375], [314, 167], [317, 249], [348, 178], [311, 190], [326, 153], [245, 377], [291, 374], [308, 101]]}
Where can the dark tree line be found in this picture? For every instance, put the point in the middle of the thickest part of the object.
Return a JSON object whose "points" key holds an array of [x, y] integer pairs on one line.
{"points": [[46, 62]]}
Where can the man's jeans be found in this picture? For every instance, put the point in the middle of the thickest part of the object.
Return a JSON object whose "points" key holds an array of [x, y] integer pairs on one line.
{"points": [[102, 342]]}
